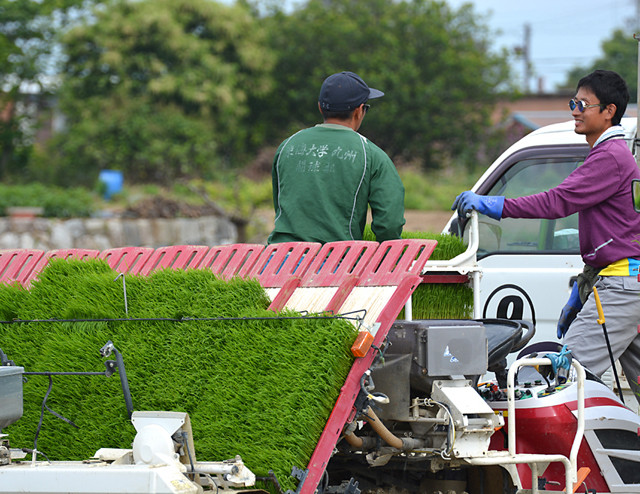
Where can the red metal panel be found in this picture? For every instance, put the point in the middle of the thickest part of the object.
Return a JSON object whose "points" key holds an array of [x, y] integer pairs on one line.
{"points": [[279, 262], [338, 260], [395, 263], [59, 254], [232, 259], [17, 264], [175, 257], [395, 259], [127, 259], [445, 278], [280, 300], [71, 254], [333, 428], [348, 284]]}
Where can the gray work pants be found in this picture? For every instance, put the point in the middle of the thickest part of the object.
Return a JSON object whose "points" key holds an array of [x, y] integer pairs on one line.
{"points": [[620, 299]]}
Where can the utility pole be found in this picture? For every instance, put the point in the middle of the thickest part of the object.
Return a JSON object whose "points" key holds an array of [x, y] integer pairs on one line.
{"points": [[526, 54]]}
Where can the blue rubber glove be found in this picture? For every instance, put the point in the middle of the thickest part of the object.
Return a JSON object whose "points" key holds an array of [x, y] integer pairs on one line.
{"points": [[569, 311], [560, 360], [489, 205], [560, 366]]}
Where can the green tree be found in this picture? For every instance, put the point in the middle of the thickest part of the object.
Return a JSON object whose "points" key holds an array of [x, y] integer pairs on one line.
{"points": [[620, 54], [160, 89], [434, 63], [28, 31]]}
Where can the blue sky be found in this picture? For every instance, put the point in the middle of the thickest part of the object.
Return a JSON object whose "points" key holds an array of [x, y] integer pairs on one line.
{"points": [[564, 33]]}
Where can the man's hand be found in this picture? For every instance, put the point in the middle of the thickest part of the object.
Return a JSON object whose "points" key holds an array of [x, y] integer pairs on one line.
{"points": [[489, 205], [569, 312]]}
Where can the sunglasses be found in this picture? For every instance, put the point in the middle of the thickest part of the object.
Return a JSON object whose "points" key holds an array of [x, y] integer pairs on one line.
{"points": [[366, 107], [582, 105]]}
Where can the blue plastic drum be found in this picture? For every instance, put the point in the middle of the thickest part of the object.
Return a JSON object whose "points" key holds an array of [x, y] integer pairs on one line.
{"points": [[113, 180]]}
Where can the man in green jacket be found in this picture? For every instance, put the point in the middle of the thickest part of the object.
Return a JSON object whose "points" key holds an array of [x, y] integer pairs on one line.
{"points": [[324, 177]]}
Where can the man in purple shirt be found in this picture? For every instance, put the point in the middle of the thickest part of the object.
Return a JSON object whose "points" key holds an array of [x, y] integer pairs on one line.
{"points": [[599, 190]]}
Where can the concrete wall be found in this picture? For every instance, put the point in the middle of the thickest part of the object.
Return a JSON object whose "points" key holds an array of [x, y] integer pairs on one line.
{"points": [[104, 233]]}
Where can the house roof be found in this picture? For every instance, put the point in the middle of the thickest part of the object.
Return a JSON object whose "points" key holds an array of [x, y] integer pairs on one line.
{"points": [[535, 111]]}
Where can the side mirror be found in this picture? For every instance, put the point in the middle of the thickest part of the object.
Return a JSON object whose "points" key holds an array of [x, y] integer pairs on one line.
{"points": [[635, 193]]}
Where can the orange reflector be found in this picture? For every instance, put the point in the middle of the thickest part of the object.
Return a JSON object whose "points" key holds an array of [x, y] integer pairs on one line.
{"points": [[362, 344], [582, 474]]}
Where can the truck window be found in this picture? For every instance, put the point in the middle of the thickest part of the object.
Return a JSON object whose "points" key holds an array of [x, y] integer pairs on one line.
{"points": [[523, 178]]}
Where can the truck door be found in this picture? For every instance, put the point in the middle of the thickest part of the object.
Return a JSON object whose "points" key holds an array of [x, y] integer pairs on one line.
{"points": [[528, 265]]}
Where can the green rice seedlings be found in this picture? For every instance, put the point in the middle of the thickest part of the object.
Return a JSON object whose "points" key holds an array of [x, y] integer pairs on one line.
{"points": [[442, 301], [255, 383], [12, 297]]}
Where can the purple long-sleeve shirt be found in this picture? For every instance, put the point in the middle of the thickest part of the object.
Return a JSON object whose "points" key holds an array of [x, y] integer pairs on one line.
{"points": [[599, 190]]}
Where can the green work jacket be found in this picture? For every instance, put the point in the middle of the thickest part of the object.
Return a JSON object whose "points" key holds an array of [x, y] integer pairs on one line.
{"points": [[324, 177]]}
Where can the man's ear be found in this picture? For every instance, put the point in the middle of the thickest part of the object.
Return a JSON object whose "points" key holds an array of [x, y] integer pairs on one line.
{"points": [[611, 109]]}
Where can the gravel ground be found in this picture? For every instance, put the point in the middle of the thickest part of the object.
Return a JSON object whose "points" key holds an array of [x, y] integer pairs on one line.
{"points": [[426, 221]]}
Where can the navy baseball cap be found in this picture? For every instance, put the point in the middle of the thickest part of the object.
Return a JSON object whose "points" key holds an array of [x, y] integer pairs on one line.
{"points": [[345, 91]]}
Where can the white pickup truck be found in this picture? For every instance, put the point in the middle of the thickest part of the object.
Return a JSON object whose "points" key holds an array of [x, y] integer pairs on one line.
{"points": [[528, 265]]}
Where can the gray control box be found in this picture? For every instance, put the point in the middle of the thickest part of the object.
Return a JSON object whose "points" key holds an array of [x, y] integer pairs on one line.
{"points": [[10, 394], [442, 347], [459, 350]]}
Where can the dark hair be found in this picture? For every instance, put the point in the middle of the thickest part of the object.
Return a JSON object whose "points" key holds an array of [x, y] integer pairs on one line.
{"points": [[338, 115], [609, 88]]}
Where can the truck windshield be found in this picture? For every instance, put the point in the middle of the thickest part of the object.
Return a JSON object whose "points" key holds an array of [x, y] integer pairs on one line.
{"points": [[523, 178]]}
